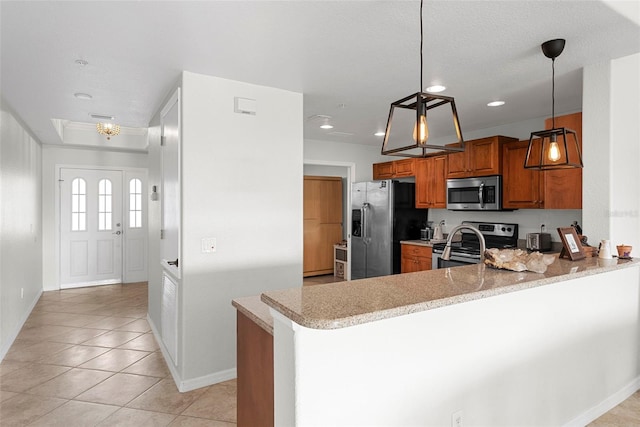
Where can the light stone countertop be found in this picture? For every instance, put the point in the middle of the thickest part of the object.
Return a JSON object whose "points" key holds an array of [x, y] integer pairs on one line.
{"points": [[343, 304], [256, 310], [417, 242]]}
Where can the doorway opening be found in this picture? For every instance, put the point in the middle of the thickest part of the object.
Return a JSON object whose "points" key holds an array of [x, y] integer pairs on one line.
{"points": [[345, 171]]}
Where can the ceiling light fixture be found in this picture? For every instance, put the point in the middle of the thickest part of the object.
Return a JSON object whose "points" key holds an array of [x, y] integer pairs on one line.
{"points": [[555, 148], [412, 112], [81, 95], [108, 129], [495, 104], [379, 134], [326, 126], [435, 89]]}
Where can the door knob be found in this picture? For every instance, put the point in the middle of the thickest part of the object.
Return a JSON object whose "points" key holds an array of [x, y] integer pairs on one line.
{"points": [[117, 232]]}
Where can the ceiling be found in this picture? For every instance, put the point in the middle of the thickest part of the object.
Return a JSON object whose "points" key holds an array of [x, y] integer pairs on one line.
{"points": [[350, 59]]}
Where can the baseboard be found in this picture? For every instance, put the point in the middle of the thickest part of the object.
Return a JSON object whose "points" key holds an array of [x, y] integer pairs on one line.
{"points": [[206, 380], [165, 353], [93, 283], [194, 383], [606, 405], [12, 337]]}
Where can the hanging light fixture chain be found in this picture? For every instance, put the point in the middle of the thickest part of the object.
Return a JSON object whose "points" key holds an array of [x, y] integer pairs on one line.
{"points": [[553, 93], [421, 42]]}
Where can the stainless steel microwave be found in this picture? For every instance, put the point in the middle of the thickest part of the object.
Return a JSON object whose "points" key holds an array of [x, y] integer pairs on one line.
{"points": [[475, 194]]}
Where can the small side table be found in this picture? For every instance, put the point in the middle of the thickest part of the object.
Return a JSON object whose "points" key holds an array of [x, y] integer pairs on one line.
{"points": [[340, 257]]}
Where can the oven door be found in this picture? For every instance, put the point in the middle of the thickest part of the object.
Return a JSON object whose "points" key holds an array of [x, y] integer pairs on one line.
{"points": [[454, 261]]}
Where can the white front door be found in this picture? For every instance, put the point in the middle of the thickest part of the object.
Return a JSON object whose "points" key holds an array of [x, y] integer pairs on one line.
{"points": [[91, 231]]}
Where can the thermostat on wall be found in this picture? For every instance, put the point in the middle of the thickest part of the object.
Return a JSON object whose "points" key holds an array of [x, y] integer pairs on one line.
{"points": [[245, 106]]}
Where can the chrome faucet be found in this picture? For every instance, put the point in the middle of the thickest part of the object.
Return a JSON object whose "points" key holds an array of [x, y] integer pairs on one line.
{"points": [[446, 254]]}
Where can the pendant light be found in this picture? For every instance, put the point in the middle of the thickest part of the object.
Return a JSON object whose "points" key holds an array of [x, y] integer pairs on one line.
{"points": [[556, 148], [412, 126]]}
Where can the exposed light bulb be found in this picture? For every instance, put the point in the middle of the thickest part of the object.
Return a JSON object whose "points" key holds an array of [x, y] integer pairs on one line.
{"points": [[421, 130], [554, 150]]}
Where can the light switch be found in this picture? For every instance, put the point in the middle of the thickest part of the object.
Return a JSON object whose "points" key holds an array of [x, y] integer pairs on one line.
{"points": [[208, 245]]}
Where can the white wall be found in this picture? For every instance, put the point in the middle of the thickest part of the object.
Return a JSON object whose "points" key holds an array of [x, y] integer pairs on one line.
{"points": [[611, 131], [20, 225], [242, 185], [547, 356], [53, 155], [363, 156]]}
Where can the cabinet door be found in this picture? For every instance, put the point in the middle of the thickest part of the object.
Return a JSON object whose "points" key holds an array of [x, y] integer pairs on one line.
{"points": [[484, 158], [457, 163], [563, 187], [438, 181], [322, 223], [521, 187], [422, 183], [404, 168], [423, 263], [383, 170]]}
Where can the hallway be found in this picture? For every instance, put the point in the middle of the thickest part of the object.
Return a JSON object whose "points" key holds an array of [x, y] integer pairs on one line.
{"points": [[87, 357]]}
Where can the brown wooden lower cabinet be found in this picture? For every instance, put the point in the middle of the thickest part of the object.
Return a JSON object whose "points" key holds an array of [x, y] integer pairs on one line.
{"points": [[415, 258], [255, 374]]}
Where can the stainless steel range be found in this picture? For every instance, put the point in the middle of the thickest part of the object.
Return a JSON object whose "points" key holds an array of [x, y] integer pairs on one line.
{"points": [[467, 250]]}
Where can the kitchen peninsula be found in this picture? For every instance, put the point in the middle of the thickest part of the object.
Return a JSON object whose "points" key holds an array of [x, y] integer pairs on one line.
{"points": [[506, 348]]}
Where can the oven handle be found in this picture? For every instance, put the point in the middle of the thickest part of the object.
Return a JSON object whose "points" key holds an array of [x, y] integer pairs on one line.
{"points": [[481, 194]]}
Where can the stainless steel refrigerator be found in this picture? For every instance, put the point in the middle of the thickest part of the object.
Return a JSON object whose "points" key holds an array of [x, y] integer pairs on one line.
{"points": [[383, 214]]}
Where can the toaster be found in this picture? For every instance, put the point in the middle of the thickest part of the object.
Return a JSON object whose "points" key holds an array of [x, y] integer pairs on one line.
{"points": [[539, 241]]}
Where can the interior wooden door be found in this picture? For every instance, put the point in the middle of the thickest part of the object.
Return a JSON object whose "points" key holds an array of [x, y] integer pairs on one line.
{"points": [[322, 223]]}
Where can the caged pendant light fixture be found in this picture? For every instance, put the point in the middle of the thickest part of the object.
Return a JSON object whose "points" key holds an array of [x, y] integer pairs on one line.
{"points": [[411, 126], [556, 148]]}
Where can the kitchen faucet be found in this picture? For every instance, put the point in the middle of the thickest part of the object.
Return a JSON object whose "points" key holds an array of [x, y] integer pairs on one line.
{"points": [[446, 254]]}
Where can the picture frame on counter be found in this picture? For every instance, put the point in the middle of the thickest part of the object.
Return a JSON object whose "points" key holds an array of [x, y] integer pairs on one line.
{"points": [[571, 246]]}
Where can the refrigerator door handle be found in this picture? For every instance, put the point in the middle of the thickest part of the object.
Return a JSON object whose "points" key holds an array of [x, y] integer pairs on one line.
{"points": [[364, 209]]}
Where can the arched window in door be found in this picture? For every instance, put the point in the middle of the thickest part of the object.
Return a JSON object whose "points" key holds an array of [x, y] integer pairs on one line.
{"points": [[78, 205], [105, 209], [135, 203]]}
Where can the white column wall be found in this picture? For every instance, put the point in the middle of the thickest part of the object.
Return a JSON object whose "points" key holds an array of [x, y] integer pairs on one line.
{"points": [[611, 131], [20, 225], [625, 154], [242, 180]]}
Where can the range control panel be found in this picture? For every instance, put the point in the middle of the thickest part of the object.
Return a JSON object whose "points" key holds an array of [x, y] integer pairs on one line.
{"points": [[493, 229]]}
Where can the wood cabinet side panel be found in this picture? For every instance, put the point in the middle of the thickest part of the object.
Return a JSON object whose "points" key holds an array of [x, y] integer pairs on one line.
{"points": [[255, 374]]}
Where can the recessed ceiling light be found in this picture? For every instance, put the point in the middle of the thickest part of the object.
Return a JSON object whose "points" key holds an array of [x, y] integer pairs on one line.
{"points": [[81, 95], [81, 62], [435, 88], [326, 126], [379, 134], [495, 104]]}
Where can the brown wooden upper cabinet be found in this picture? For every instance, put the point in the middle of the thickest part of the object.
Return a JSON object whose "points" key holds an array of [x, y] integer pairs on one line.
{"points": [[394, 169], [431, 182], [482, 157], [533, 189]]}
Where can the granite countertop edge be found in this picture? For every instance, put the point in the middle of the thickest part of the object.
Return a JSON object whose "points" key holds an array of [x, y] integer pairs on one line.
{"points": [[255, 310], [273, 299]]}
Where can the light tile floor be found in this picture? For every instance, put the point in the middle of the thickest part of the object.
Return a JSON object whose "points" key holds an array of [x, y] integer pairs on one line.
{"points": [[87, 357]]}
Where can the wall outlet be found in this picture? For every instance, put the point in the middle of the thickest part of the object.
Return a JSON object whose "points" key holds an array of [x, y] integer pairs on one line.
{"points": [[209, 245], [456, 419]]}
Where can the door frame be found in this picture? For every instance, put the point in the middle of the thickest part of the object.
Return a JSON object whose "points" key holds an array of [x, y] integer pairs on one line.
{"points": [[58, 235], [351, 177]]}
